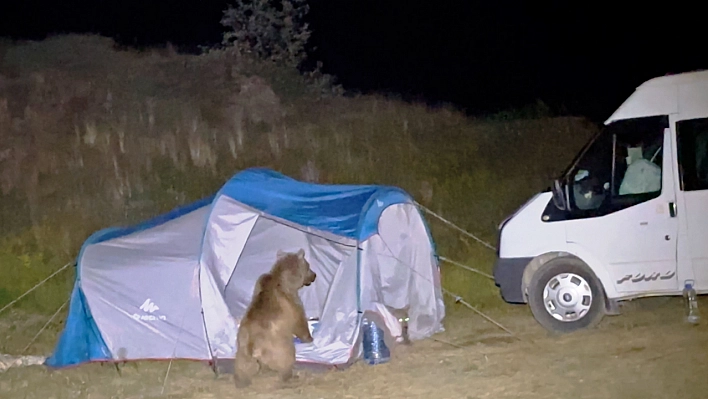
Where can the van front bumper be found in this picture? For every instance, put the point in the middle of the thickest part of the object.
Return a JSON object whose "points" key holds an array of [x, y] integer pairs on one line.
{"points": [[508, 274]]}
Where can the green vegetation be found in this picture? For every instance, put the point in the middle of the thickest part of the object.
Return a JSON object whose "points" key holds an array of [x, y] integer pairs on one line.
{"points": [[92, 136], [271, 30]]}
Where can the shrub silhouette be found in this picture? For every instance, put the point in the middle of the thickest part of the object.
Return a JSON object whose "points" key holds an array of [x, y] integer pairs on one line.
{"points": [[271, 30]]}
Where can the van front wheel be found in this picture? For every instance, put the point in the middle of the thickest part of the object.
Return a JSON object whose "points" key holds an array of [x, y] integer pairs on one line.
{"points": [[565, 296]]}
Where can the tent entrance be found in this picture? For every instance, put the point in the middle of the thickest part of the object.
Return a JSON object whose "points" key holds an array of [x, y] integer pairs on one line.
{"points": [[259, 255], [241, 243], [332, 297]]}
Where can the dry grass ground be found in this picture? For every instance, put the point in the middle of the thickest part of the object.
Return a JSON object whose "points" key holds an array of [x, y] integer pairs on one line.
{"points": [[648, 352]]}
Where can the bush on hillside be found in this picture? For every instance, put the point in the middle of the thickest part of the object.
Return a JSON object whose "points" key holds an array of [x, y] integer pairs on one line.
{"points": [[270, 29]]}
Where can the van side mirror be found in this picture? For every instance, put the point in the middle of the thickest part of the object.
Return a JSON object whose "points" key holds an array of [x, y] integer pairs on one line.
{"points": [[559, 198]]}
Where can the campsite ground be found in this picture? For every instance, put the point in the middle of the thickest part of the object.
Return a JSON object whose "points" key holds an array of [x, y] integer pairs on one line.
{"points": [[648, 352]]}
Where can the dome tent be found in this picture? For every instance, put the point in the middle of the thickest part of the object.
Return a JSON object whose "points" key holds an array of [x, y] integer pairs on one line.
{"points": [[175, 286]]}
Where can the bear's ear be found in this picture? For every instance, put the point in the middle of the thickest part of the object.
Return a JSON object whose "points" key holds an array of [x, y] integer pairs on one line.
{"points": [[301, 253], [280, 254]]}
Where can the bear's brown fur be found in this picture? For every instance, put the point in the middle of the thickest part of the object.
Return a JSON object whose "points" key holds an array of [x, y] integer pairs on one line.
{"points": [[265, 336]]}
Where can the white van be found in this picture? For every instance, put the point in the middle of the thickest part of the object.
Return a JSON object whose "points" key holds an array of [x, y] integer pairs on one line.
{"points": [[627, 219]]}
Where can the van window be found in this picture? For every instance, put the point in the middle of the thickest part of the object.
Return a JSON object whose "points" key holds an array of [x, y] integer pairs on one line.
{"points": [[638, 161], [693, 153], [622, 168]]}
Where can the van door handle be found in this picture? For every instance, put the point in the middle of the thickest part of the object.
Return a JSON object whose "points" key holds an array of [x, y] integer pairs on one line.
{"points": [[672, 209]]}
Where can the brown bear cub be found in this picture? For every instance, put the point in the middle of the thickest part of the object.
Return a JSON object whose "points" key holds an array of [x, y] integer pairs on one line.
{"points": [[275, 315]]}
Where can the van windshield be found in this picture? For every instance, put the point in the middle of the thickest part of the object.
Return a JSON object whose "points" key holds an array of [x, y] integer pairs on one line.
{"points": [[625, 159]]}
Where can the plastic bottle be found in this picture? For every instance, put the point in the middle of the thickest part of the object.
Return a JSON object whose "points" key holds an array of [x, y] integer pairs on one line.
{"points": [[689, 294], [375, 349]]}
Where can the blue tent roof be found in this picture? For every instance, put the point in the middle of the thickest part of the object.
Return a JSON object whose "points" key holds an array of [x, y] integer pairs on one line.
{"points": [[346, 210]]}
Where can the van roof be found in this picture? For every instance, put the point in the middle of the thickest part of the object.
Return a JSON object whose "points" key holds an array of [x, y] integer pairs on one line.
{"points": [[677, 79], [657, 96]]}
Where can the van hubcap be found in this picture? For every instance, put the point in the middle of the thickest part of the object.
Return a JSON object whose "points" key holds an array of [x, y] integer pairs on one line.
{"points": [[567, 297]]}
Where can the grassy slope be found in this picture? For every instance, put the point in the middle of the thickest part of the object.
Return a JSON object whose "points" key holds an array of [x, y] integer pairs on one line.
{"points": [[91, 136]]}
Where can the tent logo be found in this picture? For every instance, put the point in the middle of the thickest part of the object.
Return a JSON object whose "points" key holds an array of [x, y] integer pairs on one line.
{"points": [[149, 307]]}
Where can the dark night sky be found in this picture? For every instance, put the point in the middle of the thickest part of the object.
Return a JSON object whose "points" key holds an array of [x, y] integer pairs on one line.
{"points": [[481, 56]]}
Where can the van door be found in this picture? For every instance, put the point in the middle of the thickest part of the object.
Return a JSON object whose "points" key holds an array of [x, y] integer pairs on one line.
{"points": [[692, 152], [624, 214]]}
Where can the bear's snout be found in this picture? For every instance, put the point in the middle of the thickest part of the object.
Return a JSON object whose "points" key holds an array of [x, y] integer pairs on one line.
{"points": [[311, 276]]}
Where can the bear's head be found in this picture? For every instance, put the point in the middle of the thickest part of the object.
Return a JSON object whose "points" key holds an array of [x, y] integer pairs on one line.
{"points": [[296, 271]]}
